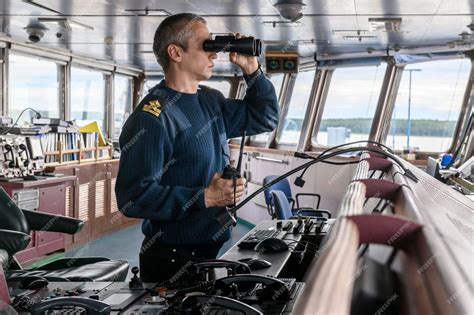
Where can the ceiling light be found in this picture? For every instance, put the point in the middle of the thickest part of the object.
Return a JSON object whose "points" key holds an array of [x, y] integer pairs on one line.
{"points": [[149, 12], [78, 25], [312, 41], [385, 24], [59, 22], [297, 41], [282, 23], [359, 37], [290, 9], [350, 32], [64, 23]]}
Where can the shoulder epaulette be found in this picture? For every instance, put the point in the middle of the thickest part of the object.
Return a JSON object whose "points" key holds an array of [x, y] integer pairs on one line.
{"points": [[153, 107]]}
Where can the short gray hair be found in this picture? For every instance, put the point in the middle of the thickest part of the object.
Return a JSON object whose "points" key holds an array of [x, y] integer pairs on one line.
{"points": [[174, 29]]}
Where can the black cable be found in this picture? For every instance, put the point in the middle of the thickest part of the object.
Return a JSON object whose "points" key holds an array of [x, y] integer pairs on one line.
{"points": [[407, 173], [359, 141], [461, 143], [299, 179], [38, 116], [227, 217], [340, 163], [307, 156]]}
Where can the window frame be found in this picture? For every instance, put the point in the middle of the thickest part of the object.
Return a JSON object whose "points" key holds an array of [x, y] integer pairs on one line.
{"points": [[60, 68], [285, 105], [107, 94], [463, 110], [320, 105], [251, 141], [128, 107]]}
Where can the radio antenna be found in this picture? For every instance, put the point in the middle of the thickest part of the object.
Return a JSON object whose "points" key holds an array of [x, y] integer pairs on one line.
{"points": [[241, 152]]}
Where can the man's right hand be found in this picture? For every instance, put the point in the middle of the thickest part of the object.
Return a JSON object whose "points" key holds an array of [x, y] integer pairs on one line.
{"points": [[220, 192]]}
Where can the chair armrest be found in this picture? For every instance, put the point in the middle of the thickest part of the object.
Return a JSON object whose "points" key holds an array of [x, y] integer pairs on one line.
{"points": [[71, 262], [13, 241], [292, 202], [41, 221], [307, 194], [313, 212], [4, 258]]}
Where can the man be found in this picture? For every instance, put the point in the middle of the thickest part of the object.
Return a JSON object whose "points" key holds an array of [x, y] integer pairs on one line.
{"points": [[174, 146]]}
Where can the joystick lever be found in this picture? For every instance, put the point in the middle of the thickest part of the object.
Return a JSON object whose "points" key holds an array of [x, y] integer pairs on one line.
{"points": [[135, 282]]}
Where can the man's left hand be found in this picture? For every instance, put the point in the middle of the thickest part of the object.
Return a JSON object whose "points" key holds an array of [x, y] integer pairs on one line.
{"points": [[247, 63]]}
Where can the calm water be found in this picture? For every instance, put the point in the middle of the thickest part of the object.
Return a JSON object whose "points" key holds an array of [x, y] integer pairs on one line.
{"points": [[431, 144]]}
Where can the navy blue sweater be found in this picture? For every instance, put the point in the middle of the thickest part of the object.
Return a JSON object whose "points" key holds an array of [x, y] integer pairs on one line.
{"points": [[172, 148]]}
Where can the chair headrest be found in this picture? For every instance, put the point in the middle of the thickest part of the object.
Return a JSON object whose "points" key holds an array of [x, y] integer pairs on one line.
{"points": [[13, 241], [282, 185], [379, 164], [281, 204], [12, 217], [380, 188]]}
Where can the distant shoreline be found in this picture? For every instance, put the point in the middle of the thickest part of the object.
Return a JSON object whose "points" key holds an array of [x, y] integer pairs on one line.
{"points": [[419, 127]]}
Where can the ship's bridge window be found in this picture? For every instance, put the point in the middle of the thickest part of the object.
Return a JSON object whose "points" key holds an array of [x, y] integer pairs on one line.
{"points": [[32, 83], [290, 128], [221, 85], [350, 105], [426, 120], [88, 97], [149, 84], [277, 81], [122, 102]]}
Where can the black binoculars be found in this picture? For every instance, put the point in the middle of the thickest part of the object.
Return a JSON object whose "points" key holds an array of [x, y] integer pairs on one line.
{"points": [[247, 46]]}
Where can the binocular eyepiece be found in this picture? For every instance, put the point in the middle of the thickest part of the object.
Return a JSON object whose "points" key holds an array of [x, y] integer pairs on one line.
{"points": [[247, 46]]}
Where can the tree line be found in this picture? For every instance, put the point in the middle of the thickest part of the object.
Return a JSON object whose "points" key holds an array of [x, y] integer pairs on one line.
{"points": [[419, 127]]}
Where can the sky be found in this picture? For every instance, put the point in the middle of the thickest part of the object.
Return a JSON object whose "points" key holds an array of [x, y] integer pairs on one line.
{"points": [[437, 91]]}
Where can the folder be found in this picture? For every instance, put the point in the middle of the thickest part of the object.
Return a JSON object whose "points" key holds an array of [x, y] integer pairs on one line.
{"points": [[94, 127]]}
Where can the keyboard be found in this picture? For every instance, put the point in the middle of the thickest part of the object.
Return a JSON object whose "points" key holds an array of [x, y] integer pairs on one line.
{"points": [[259, 235]]}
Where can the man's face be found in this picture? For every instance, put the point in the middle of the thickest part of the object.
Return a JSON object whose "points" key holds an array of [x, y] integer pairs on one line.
{"points": [[197, 62]]}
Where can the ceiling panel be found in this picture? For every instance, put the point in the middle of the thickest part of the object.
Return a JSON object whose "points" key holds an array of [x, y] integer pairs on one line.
{"points": [[424, 22]]}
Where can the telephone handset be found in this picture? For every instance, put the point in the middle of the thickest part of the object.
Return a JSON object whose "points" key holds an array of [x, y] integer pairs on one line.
{"points": [[9, 159], [271, 288], [92, 307], [197, 303], [233, 267], [23, 155]]}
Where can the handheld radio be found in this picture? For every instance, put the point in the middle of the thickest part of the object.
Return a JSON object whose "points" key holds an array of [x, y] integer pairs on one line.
{"points": [[225, 217]]}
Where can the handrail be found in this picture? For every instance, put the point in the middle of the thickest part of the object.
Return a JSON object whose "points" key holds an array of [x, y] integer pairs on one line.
{"points": [[263, 158]]}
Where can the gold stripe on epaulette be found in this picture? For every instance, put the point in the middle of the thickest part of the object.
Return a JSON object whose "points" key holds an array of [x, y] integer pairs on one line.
{"points": [[153, 107]]}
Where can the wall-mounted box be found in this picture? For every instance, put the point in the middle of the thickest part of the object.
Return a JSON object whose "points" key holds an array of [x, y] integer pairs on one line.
{"points": [[281, 62]]}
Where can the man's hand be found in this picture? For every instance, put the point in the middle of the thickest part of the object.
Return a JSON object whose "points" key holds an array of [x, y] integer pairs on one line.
{"points": [[220, 192], [248, 64]]}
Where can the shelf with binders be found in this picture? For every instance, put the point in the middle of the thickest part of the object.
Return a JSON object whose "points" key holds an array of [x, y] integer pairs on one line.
{"points": [[69, 148]]}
